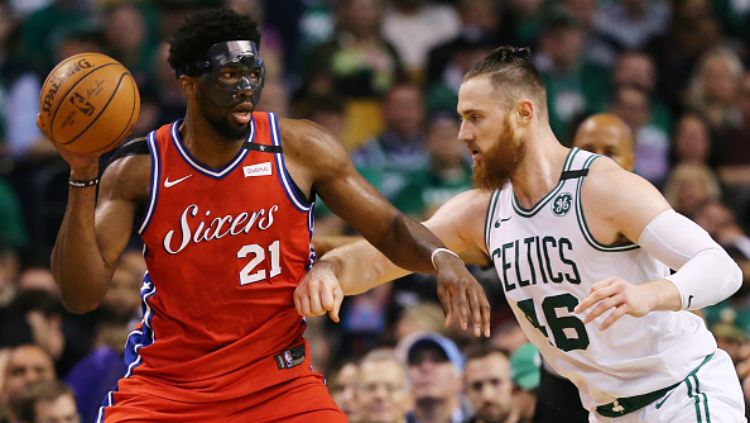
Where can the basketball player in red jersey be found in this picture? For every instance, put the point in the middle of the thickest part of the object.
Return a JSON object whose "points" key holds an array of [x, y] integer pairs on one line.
{"points": [[222, 201]]}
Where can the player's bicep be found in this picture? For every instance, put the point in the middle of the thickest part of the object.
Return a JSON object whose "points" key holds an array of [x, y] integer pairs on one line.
{"points": [[632, 205]]}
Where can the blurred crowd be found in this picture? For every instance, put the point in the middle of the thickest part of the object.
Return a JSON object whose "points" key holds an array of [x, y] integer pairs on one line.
{"points": [[382, 76]]}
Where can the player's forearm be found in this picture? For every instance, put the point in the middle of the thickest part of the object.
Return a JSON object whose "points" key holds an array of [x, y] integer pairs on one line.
{"points": [[705, 273], [409, 245], [360, 267], [77, 263]]}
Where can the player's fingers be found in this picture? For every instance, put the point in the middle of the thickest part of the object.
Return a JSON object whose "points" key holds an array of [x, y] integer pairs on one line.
{"points": [[316, 306], [594, 297], [461, 307], [603, 283], [600, 308], [475, 309], [338, 298], [326, 297], [445, 303], [612, 318], [306, 307], [297, 302], [486, 311]]}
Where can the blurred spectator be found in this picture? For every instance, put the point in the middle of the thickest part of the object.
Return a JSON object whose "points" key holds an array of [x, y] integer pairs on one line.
{"points": [[168, 91], [575, 86], [419, 317], [449, 171], [343, 387], [13, 229], [43, 27], [525, 372], [383, 389], [435, 368], [632, 105], [47, 401], [275, 98], [527, 19], [358, 62], [399, 151], [508, 335], [9, 265], [692, 141], [637, 69], [19, 91], [128, 40], [445, 78], [714, 88], [328, 112], [632, 23], [416, 26], [692, 31], [26, 364], [689, 186], [608, 135], [487, 385], [596, 47]]}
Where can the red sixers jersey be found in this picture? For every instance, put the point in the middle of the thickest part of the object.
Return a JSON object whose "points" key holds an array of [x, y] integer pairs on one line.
{"points": [[225, 249]]}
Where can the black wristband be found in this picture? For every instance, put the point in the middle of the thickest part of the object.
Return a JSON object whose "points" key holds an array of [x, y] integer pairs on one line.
{"points": [[83, 184]]}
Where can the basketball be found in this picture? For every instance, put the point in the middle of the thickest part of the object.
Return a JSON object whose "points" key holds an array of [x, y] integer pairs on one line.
{"points": [[89, 104]]}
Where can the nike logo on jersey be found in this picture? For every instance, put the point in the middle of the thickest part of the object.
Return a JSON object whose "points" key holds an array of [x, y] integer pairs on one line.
{"points": [[660, 403], [500, 221], [168, 183], [690, 300]]}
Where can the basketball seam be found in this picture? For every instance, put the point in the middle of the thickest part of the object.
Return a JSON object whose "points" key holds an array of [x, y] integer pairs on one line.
{"points": [[65, 95], [129, 123], [104, 108]]}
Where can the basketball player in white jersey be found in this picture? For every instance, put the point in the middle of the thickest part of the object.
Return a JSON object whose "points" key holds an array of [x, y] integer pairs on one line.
{"points": [[582, 249]]}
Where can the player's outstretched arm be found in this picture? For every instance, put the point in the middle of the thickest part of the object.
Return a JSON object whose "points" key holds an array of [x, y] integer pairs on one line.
{"points": [[359, 267], [93, 236], [705, 272]]}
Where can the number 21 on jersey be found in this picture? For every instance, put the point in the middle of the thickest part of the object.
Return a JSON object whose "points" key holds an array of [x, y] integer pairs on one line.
{"points": [[249, 274], [568, 332]]}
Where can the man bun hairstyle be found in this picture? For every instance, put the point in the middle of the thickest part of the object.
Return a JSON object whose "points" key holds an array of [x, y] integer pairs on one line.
{"points": [[205, 28], [513, 74]]}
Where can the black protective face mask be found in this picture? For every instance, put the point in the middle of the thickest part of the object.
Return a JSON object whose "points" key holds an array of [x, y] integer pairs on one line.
{"points": [[232, 72]]}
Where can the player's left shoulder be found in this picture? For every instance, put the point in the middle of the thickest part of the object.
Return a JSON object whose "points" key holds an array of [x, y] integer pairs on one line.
{"points": [[627, 196], [312, 145]]}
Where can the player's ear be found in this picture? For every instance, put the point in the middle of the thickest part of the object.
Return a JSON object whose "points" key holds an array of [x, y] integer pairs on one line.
{"points": [[188, 85], [524, 111]]}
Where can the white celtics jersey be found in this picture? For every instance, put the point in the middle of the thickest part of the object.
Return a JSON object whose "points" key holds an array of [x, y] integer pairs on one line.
{"points": [[547, 261]]}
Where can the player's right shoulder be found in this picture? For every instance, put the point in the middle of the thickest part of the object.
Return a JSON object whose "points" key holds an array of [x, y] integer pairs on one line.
{"points": [[127, 173]]}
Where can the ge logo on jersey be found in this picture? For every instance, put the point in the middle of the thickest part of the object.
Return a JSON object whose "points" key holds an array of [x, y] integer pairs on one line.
{"points": [[561, 205]]}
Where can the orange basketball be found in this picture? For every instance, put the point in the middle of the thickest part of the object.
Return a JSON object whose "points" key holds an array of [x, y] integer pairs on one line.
{"points": [[89, 103]]}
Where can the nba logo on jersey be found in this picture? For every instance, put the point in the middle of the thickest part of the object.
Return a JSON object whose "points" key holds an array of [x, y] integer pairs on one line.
{"points": [[288, 360]]}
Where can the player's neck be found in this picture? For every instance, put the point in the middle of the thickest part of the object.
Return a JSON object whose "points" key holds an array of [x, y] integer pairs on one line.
{"points": [[205, 144], [540, 169]]}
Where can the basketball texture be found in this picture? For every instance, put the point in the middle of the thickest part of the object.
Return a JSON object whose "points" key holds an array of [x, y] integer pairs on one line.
{"points": [[89, 103]]}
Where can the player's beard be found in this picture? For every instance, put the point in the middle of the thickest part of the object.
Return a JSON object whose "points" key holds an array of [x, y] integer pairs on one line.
{"points": [[220, 119], [498, 164]]}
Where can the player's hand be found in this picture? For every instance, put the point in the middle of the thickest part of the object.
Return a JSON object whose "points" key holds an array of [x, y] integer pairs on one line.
{"points": [[618, 295], [319, 292], [84, 163], [461, 296]]}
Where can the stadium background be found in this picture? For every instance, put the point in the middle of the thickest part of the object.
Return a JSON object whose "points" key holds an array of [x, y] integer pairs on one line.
{"points": [[382, 76]]}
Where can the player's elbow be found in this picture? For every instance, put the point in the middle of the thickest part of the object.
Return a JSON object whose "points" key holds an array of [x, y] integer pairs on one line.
{"points": [[735, 278]]}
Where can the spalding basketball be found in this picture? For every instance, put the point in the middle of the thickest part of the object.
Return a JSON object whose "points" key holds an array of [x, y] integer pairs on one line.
{"points": [[89, 104]]}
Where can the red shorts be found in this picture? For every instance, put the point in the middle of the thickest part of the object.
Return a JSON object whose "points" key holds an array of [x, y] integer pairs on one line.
{"points": [[301, 400]]}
